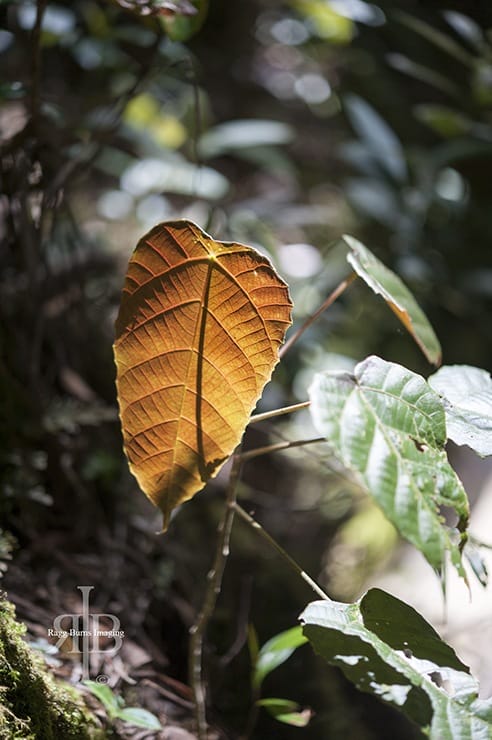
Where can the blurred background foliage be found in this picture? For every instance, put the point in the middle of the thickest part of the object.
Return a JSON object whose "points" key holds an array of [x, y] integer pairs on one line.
{"points": [[279, 124]]}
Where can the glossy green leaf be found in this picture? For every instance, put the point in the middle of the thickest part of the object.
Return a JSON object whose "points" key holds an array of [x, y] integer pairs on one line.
{"points": [[275, 652], [386, 283], [467, 397], [388, 427], [140, 718], [286, 711], [387, 649]]}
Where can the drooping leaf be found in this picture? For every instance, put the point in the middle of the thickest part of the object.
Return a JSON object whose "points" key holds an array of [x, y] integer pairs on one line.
{"points": [[388, 426], [396, 294], [197, 338], [467, 396], [286, 711], [275, 652], [387, 649]]}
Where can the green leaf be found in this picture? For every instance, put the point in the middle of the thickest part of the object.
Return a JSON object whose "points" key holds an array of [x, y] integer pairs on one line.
{"points": [[381, 140], [396, 294], [422, 73], [140, 718], [181, 25], [467, 396], [443, 120], [275, 652], [388, 427], [243, 134], [287, 711], [387, 649], [434, 36], [106, 696]]}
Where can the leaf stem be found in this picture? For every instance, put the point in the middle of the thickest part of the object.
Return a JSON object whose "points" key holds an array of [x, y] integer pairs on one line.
{"points": [[278, 412], [214, 582], [311, 319], [285, 555], [250, 454]]}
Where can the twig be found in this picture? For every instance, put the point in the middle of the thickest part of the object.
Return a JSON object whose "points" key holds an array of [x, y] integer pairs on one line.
{"points": [[285, 555], [214, 582], [250, 454], [278, 412], [36, 59], [309, 321]]}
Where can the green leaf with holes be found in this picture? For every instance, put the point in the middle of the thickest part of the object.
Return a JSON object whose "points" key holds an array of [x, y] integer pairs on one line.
{"points": [[388, 427], [386, 283], [387, 649]]}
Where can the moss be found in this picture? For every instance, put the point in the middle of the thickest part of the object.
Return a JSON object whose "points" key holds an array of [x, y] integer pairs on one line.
{"points": [[32, 705]]}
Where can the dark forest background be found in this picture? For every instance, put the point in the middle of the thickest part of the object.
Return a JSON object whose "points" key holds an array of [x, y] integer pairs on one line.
{"points": [[278, 124]]}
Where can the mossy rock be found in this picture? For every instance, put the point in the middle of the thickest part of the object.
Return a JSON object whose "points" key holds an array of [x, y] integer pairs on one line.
{"points": [[32, 705]]}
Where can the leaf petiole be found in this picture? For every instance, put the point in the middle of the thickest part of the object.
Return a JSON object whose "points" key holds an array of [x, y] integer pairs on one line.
{"points": [[278, 412], [285, 555], [258, 451], [311, 319]]}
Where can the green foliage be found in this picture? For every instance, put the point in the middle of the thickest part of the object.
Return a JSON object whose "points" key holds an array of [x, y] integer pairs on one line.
{"points": [[385, 283], [388, 426], [386, 648], [116, 708], [286, 711], [275, 652]]}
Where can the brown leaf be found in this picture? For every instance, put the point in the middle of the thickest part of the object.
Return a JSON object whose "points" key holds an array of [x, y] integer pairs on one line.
{"points": [[197, 338]]}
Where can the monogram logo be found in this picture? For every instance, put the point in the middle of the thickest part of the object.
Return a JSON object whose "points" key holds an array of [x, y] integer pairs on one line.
{"points": [[87, 633]]}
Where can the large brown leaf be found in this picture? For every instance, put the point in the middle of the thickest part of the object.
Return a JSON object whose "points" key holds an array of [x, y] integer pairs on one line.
{"points": [[197, 338]]}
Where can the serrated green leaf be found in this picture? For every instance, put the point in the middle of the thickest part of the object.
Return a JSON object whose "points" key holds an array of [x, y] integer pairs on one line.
{"points": [[384, 282], [388, 427], [387, 649], [140, 718], [467, 394], [287, 711], [275, 652]]}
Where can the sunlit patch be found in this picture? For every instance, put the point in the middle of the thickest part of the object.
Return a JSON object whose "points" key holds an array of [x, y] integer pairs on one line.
{"points": [[300, 260]]}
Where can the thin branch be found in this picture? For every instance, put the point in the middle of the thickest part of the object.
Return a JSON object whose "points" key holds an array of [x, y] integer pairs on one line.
{"points": [[309, 321], [250, 454], [214, 583], [285, 555], [278, 412], [36, 60]]}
